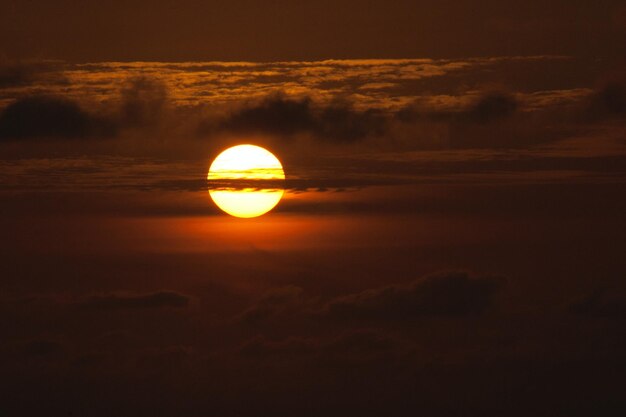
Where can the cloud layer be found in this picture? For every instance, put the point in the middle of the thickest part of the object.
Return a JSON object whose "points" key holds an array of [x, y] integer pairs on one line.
{"points": [[388, 104]]}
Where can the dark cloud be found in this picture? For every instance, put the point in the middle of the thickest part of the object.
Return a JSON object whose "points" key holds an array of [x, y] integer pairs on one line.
{"points": [[161, 299], [51, 117], [143, 102], [275, 301], [19, 74], [360, 344], [452, 294], [448, 294], [42, 347], [276, 114], [609, 101], [600, 305], [341, 122], [281, 115], [487, 108], [492, 120], [353, 345], [492, 107], [261, 346], [13, 75], [163, 358]]}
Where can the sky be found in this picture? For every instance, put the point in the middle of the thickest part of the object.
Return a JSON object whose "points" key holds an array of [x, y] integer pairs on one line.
{"points": [[276, 30], [450, 241]]}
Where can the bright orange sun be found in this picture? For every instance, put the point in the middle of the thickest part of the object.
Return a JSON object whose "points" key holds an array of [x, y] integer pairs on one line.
{"points": [[246, 181]]}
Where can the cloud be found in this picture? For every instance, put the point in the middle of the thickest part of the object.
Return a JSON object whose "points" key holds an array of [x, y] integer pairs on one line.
{"points": [[276, 114], [50, 117], [281, 115], [609, 101], [21, 74], [158, 359], [492, 107], [275, 301], [489, 107], [354, 345], [361, 343], [446, 294], [143, 102], [341, 122], [451, 294], [13, 75], [42, 347], [168, 105], [260, 346], [489, 120], [599, 305], [161, 299]]}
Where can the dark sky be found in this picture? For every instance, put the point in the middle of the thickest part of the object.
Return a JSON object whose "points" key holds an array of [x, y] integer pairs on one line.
{"points": [[125, 30], [450, 241]]}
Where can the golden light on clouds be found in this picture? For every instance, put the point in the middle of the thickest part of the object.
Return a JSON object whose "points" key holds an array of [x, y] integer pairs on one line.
{"points": [[246, 181]]}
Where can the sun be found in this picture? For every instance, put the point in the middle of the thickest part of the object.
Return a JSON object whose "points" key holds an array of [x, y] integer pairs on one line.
{"points": [[246, 181]]}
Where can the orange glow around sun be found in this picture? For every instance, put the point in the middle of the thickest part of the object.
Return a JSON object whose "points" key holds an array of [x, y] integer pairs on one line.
{"points": [[246, 181]]}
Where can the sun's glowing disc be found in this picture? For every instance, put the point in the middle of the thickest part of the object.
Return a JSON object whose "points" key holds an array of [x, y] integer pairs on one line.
{"points": [[246, 181]]}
